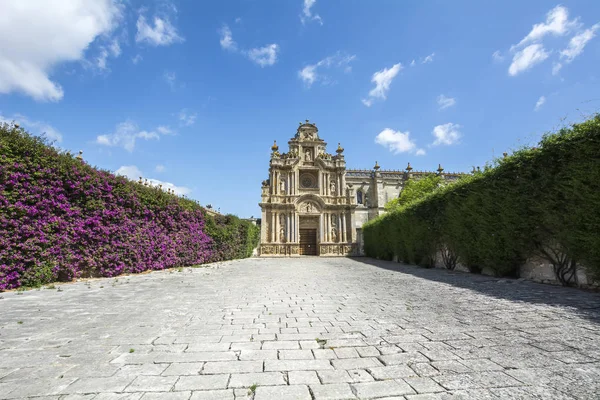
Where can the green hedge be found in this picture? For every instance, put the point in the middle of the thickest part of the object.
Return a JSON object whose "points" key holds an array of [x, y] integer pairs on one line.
{"points": [[542, 201]]}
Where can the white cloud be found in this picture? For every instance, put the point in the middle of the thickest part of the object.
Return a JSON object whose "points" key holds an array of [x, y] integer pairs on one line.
{"points": [[540, 103], [557, 24], [171, 78], [497, 56], [309, 73], [137, 58], [395, 141], [556, 67], [446, 134], [527, 58], [428, 59], [264, 56], [185, 118], [577, 43], [307, 14], [445, 102], [159, 168], [420, 152], [127, 133], [133, 173], [382, 80], [227, 41], [35, 127], [413, 63], [161, 33], [35, 38]]}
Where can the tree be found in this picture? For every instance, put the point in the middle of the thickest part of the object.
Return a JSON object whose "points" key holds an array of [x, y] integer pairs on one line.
{"points": [[414, 190]]}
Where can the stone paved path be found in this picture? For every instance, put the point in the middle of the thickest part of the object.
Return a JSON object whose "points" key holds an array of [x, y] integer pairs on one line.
{"points": [[300, 329]]}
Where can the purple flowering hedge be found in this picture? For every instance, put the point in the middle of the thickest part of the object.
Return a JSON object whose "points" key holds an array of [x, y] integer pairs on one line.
{"points": [[62, 219]]}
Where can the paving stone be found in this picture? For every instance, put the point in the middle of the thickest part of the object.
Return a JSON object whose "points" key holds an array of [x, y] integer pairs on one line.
{"points": [[477, 337], [335, 391], [303, 378], [297, 365], [371, 390], [202, 382], [391, 372], [292, 392], [167, 396], [213, 395], [177, 369], [423, 385], [260, 379], [232, 367], [152, 384]]}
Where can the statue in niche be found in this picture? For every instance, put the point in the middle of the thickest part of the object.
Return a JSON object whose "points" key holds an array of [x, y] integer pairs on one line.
{"points": [[307, 155], [332, 187], [282, 225], [334, 234], [282, 186]]}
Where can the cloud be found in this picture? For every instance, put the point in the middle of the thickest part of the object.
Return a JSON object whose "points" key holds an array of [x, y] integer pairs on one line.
{"points": [[159, 168], [264, 56], [227, 41], [133, 173], [497, 56], [540, 103], [309, 73], [557, 24], [185, 118], [171, 78], [160, 33], [395, 141], [527, 58], [35, 38], [36, 127], [136, 59], [446, 134], [420, 152], [382, 80], [428, 59], [127, 133], [577, 44], [556, 67], [445, 102], [307, 14]]}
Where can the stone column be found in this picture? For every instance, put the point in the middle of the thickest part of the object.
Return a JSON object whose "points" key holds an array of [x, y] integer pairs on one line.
{"points": [[321, 230], [344, 227], [327, 228], [276, 227], [353, 227]]}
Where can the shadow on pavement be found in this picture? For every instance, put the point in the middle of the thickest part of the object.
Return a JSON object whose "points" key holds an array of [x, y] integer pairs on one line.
{"points": [[586, 303]]}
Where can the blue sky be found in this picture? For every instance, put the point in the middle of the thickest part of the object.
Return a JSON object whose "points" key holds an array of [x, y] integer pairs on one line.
{"points": [[193, 93]]}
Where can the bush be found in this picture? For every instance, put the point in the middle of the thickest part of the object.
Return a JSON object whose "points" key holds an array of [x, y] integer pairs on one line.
{"points": [[541, 201], [62, 219]]}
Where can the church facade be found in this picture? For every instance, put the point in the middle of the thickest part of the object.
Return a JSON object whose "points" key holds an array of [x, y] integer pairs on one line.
{"points": [[312, 205]]}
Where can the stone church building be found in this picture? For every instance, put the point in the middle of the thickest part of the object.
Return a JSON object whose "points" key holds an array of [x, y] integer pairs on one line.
{"points": [[312, 205]]}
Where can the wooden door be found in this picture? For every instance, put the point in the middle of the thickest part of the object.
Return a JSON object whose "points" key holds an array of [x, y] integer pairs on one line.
{"points": [[308, 242]]}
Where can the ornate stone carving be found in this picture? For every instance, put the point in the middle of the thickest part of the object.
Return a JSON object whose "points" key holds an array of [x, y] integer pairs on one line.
{"points": [[308, 207], [308, 155]]}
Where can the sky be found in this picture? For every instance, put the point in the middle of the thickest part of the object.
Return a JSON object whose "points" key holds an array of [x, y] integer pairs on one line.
{"points": [[191, 94]]}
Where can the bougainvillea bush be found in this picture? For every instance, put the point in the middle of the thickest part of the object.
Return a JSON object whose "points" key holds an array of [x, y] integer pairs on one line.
{"points": [[62, 219], [542, 201]]}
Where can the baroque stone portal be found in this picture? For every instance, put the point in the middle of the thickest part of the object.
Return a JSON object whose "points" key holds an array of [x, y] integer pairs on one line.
{"points": [[312, 205]]}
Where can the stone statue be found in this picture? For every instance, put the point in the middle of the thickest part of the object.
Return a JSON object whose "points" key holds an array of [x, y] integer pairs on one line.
{"points": [[282, 186], [282, 235], [332, 187], [307, 156], [334, 236]]}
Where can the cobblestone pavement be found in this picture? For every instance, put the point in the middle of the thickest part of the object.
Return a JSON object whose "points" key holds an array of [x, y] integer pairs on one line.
{"points": [[299, 329]]}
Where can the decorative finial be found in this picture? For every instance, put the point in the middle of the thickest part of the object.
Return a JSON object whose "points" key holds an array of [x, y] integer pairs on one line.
{"points": [[146, 182], [340, 149], [505, 155], [80, 157], [474, 170], [409, 168], [440, 169], [274, 147], [307, 121], [17, 126], [140, 181], [376, 167]]}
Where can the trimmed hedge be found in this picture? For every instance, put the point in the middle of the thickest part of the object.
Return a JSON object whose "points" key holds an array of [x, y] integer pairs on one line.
{"points": [[542, 201], [61, 219]]}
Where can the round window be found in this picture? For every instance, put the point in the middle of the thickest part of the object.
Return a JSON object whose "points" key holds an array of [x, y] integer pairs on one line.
{"points": [[307, 181]]}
